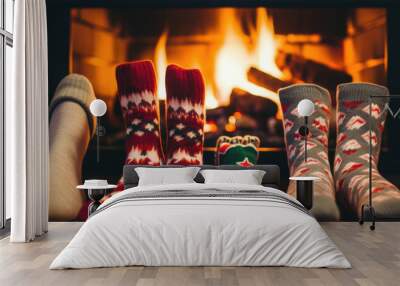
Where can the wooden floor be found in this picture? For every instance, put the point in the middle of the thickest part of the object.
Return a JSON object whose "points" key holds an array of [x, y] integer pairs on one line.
{"points": [[375, 257]]}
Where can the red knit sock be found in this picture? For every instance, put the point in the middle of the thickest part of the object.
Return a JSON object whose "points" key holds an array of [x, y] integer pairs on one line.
{"points": [[185, 116], [137, 89]]}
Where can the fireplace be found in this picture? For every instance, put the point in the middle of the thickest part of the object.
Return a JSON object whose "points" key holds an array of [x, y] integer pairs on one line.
{"points": [[246, 53]]}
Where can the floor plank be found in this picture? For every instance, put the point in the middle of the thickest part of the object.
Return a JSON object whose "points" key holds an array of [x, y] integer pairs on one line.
{"points": [[375, 257]]}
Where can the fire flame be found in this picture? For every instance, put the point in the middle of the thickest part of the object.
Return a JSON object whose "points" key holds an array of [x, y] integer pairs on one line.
{"points": [[160, 58], [236, 55], [235, 58], [211, 101], [266, 46]]}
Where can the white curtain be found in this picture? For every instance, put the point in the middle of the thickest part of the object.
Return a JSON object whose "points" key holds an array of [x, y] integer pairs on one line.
{"points": [[27, 144]]}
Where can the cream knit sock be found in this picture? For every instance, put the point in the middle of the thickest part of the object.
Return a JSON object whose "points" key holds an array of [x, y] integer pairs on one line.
{"points": [[71, 127]]}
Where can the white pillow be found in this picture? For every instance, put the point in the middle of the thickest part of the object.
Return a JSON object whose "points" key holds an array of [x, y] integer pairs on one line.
{"points": [[166, 176], [248, 177]]}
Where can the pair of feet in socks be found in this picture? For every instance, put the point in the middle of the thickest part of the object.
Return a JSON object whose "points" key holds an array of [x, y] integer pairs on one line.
{"points": [[185, 114], [350, 183]]}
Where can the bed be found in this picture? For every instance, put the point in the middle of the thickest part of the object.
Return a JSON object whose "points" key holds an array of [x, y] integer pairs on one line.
{"points": [[197, 224]]}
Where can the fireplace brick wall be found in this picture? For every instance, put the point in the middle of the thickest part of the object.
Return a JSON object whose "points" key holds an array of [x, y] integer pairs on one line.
{"points": [[97, 48], [364, 47]]}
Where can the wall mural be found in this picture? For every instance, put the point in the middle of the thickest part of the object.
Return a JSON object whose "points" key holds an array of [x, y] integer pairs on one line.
{"points": [[224, 92]]}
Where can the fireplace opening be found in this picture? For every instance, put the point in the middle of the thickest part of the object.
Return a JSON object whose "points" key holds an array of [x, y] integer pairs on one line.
{"points": [[245, 55]]}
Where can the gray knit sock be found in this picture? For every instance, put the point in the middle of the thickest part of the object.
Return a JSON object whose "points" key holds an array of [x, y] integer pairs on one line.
{"points": [[317, 165], [351, 166]]}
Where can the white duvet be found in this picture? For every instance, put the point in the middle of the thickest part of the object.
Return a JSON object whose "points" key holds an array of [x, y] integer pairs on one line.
{"points": [[204, 231]]}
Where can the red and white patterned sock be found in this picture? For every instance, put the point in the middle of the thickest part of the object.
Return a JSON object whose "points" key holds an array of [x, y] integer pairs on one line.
{"points": [[137, 91], [185, 115]]}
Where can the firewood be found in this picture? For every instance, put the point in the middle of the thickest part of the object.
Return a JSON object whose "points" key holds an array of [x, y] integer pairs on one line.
{"points": [[250, 104], [309, 71], [266, 80]]}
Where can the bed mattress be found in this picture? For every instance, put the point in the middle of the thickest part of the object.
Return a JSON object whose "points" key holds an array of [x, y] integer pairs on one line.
{"points": [[201, 225]]}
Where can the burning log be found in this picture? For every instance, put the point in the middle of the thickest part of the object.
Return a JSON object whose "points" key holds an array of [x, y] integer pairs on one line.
{"points": [[265, 80], [256, 106], [310, 71]]}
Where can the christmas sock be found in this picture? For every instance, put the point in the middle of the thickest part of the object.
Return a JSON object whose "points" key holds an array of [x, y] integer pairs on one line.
{"points": [[351, 165], [137, 89], [71, 128], [185, 116], [237, 150], [317, 165]]}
